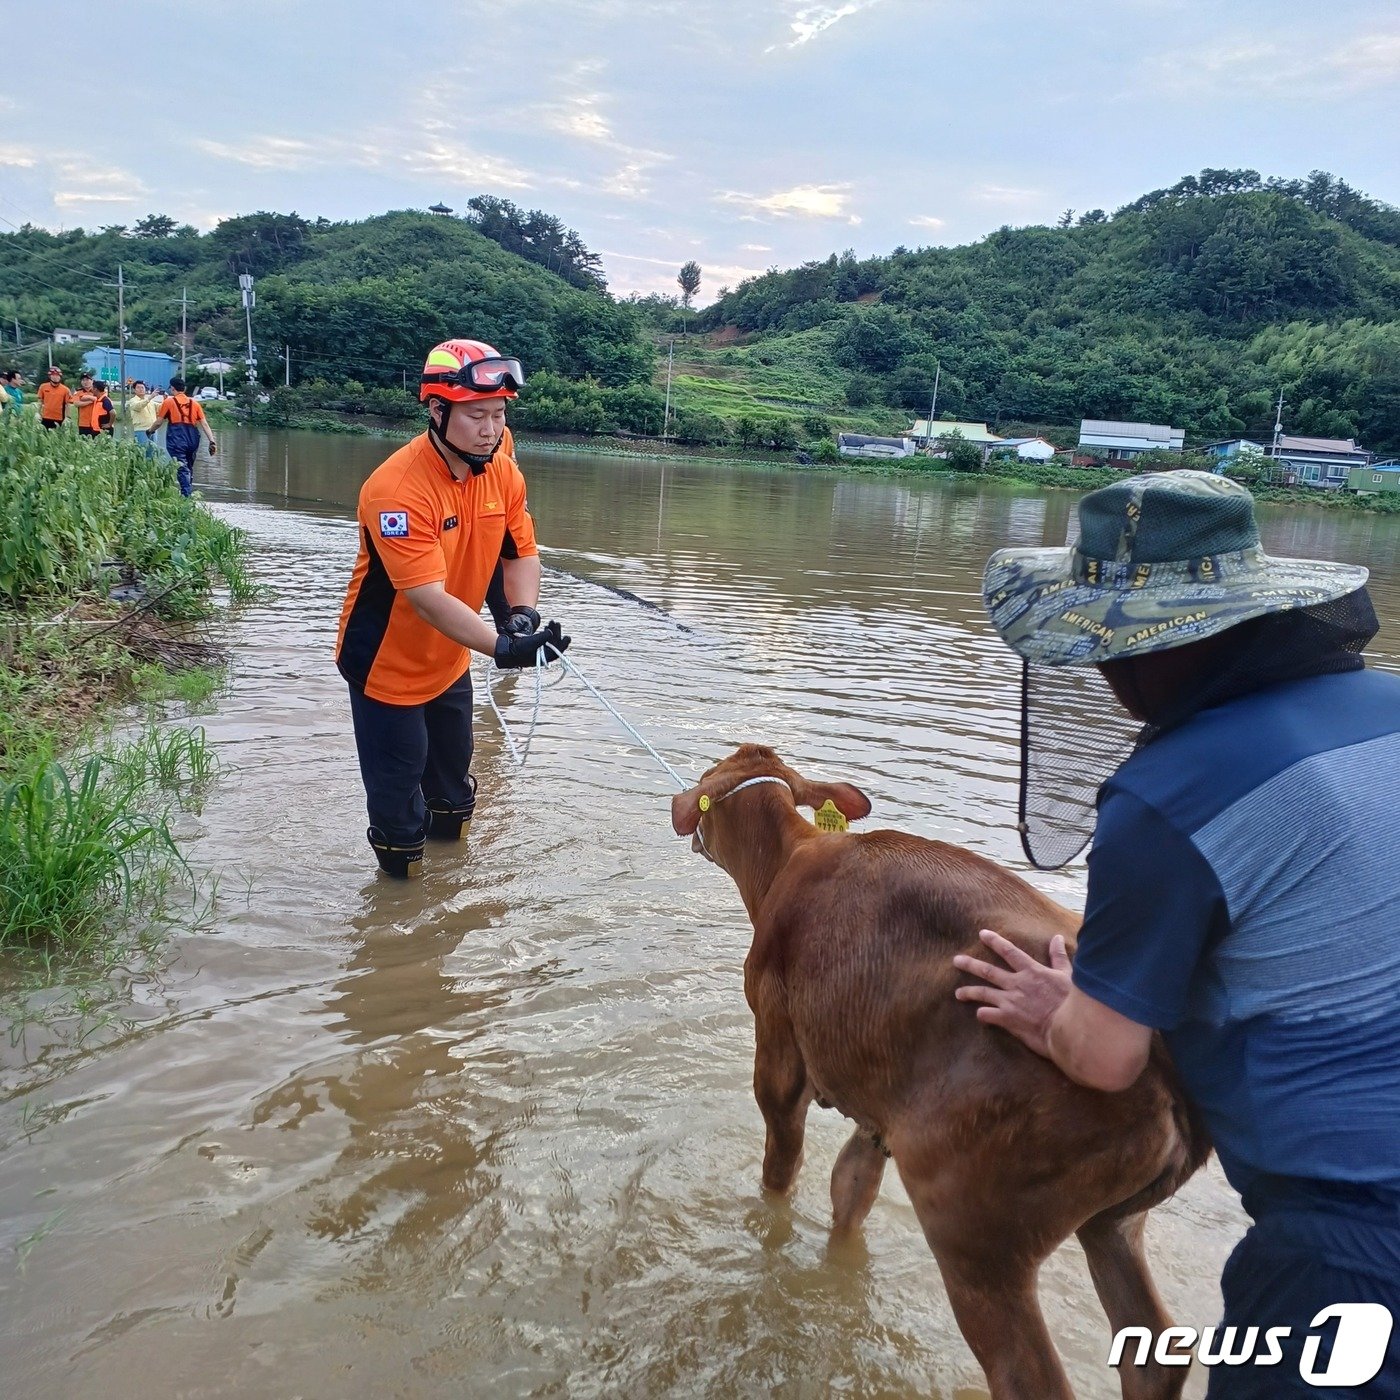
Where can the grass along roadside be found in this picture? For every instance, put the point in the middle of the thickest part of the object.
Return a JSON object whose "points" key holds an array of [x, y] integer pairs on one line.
{"points": [[91, 876]]}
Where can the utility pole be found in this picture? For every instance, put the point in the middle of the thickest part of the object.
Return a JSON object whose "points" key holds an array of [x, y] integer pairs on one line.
{"points": [[666, 416], [16, 330], [1278, 437], [933, 403], [250, 297], [121, 336], [184, 323], [287, 360]]}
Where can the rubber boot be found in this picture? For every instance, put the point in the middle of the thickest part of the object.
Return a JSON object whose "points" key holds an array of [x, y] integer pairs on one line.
{"points": [[401, 862], [452, 823]]}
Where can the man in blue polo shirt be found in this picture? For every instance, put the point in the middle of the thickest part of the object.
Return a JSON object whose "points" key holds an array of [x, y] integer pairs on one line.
{"points": [[1244, 892]]}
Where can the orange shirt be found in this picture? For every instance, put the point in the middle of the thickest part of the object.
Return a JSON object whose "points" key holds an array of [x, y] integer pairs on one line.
{"points": [[53, 401], [179, 408], [419, 524], [89, 412]]}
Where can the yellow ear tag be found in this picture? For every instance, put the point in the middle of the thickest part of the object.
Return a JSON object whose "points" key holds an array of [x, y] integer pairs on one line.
{"points": [[828, 818], [704, 803]]}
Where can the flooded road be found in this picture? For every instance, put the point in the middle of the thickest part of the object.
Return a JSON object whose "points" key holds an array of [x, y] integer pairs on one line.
{"points": [[492, 1133]]}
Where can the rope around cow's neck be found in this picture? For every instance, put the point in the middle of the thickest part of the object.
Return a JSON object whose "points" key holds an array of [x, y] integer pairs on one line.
{"points": [[521, 754]]}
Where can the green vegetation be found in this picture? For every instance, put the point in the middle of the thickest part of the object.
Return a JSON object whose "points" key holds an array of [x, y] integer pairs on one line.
{"points": [[88, 868], [1194, 305], [356, 301]]}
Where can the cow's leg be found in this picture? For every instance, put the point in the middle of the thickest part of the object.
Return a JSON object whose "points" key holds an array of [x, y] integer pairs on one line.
{"points": [[855, 1181], [783, 1093], [990, 1244], [999, 1315], [1118, 1266]]}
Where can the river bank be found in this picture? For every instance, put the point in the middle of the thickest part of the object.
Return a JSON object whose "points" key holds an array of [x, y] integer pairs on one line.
{"points": [[108, 614], [1024, 473]]}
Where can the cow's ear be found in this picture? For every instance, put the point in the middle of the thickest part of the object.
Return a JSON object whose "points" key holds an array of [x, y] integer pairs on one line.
{"points": [[685, 812], [848, 799]]}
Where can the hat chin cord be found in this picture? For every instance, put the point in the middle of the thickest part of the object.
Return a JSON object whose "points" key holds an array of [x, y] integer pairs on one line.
{"points": [[476, 464]]}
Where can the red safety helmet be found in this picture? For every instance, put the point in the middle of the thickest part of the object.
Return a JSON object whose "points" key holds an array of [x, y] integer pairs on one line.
{"points": [[459, 371]]}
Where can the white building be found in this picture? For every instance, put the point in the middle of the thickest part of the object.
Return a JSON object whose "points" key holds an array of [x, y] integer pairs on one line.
{"points": [[1121, 442], [1031, 449], [64, 336]]}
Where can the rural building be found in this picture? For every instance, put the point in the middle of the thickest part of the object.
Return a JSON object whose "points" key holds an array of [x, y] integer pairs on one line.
{"points": [[1322, 462], [148, 365], [1121, 442], [979, 434], [1380, 478], [1225, 453], [63, 336], [859, 445], [1031, 449]]}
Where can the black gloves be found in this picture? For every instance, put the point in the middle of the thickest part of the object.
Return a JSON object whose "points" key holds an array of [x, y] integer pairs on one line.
{"points": [[521, 621], [516, 649]]}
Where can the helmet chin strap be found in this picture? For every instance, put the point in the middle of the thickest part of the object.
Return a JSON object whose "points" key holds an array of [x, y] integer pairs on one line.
{"points": [[476, 464]]}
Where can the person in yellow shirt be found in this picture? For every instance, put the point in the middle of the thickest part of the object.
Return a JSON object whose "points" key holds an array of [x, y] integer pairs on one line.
{"points": [[141, 414]]}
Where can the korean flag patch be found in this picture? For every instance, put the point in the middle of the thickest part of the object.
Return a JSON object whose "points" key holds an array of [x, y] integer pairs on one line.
{"points": [[393, 524]]}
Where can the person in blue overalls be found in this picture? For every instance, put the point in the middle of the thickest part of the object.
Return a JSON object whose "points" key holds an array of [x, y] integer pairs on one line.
{"points": [[184, 421]]}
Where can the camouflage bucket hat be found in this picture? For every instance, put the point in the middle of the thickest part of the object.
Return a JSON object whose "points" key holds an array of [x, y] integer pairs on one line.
{"points": [[1162, 560]]}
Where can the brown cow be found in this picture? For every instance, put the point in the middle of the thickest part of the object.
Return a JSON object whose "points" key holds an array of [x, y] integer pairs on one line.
{"points": [[851, 979]]}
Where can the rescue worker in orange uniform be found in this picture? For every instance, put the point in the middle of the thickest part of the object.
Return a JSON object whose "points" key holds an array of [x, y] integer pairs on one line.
{"points": [[183, 420], [436, 519], [54, 398], [89, 405]]}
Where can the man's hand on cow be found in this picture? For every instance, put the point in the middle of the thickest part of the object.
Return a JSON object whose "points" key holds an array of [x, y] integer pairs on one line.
{"points": [[1023, 995]]}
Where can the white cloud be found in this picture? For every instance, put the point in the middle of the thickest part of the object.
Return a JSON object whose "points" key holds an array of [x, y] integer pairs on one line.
{"points": [[95, 184], [431, 150], [1285, 69], [579, 117], [755, 248], [273, 152], [628, 182], [802, 201], [810, 20], [1004, 194], [71, 199], [16, 158], [928, 221]]}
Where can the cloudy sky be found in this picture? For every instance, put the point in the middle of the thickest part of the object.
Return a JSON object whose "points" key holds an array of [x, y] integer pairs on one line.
{"points": [[742, 133]]}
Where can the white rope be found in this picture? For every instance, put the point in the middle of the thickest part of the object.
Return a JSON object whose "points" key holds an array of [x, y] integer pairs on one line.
{"points": [[521, 754]]}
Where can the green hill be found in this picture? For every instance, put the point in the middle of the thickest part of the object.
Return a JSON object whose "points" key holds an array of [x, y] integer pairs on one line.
{"points": [[357, 301], [1194, 305]]}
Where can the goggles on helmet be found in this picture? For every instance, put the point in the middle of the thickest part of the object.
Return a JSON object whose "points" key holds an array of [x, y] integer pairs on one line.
{"points": [[483, 376]]}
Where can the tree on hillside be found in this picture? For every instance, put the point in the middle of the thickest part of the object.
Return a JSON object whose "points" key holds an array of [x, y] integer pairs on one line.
{"points": [[689, 279], [261, 243], [155, 226], [540, 237]]}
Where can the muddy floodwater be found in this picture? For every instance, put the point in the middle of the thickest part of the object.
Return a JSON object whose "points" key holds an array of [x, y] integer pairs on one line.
{"points": [[492, 1133]]}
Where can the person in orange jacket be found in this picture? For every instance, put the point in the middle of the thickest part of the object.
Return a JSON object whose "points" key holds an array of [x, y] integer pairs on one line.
{"points": [[89, 405], [54, 398], [437, 520]]}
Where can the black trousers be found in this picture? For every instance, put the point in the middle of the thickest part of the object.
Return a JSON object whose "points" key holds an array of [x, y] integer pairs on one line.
{"points": [[411, 755]]}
